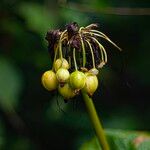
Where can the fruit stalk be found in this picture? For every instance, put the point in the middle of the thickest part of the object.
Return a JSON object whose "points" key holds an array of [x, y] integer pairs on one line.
{"points": [[95, 121]]}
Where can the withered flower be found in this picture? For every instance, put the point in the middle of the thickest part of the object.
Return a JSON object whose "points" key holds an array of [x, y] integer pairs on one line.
{"points": [[79, 50]]}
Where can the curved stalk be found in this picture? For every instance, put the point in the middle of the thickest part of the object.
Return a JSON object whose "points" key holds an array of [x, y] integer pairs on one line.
{"points": [[101, 51], [93, 59], [100, 34], [101, 48], [69, 58], [60, 44], [83, 47], [74, 59], [56, 52], [95, 121]]}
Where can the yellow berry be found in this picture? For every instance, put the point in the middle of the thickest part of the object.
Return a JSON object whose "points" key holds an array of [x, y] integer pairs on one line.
{"points": [[66, 91], [62, 75], [61, 63], [49, 80], [91, 84]]}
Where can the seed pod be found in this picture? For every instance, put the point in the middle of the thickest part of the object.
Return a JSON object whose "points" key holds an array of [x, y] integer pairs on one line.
{"points": [[49, 80], [91, 84], [66, 91], [62, 75], [77, 80], [61, 63]]}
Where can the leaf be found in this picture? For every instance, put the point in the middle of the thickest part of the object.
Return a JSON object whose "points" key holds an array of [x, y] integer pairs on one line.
{"points": [[142, 142], [10, 84], [144, 145], [120, 140]]}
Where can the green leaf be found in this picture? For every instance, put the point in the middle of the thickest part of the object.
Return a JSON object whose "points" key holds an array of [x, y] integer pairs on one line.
{"points": [[121, 140], [144, 145], [10, 84]]}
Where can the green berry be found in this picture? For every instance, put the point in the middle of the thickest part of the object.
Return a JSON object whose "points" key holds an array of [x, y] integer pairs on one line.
{"points": [[77, 80]]}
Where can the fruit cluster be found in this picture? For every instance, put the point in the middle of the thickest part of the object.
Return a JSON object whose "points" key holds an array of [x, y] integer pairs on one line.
{"points": [[76, 54], [69, 84]]}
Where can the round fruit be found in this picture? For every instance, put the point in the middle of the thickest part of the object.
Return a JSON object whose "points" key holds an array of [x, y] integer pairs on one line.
{"points": [[66, 91], [49, 80], [91, 84], [61, 63], [77, 80], [62, 75]]}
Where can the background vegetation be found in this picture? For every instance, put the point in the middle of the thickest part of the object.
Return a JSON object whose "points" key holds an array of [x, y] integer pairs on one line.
{"points": [[31, 118]]}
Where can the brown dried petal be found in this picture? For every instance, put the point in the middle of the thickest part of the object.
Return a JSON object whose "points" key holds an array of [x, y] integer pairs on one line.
{"points": [[72, 29]]}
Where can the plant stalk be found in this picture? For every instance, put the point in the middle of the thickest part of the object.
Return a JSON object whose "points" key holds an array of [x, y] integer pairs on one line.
{"points": [[95, 121]]}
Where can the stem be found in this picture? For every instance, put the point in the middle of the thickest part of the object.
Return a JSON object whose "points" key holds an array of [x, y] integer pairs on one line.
{"points": [[74, 58], [95, 121], [93, 59], [101, 48], [69, 58], [83, 47], [101, 51], [100, 34], [56, 51], [60, 44]]}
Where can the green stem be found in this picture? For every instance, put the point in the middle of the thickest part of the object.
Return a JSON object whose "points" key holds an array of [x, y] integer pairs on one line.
{"points": [[101, 49], [93, 59], [74, 58], [100, 34], [56, 51], [95, 121], [60, 44], [83, 47]]}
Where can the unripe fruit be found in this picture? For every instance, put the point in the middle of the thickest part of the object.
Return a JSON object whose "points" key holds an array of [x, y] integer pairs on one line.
{"points": [[49, 80], [66, 91], [91, 84], [77, 80], [62, 75], [61, 63]]}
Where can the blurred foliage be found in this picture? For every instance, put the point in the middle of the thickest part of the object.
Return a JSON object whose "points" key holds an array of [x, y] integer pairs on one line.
{"points": [[121, 140], [37, 18], [11, 84], [32, 118]]}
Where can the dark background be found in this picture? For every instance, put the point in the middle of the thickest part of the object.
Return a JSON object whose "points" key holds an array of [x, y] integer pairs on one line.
{"points": [[32, 118]]}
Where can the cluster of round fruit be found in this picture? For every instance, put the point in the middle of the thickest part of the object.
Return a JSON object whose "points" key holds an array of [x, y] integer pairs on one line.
{"points": [[76, 52], [69, 84]]}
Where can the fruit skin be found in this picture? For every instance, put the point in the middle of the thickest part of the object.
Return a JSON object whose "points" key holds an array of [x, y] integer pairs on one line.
{"points": [[61, 63], [91, 84], [77, 80], [66, 91], [62, 75], [49, 80]]}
